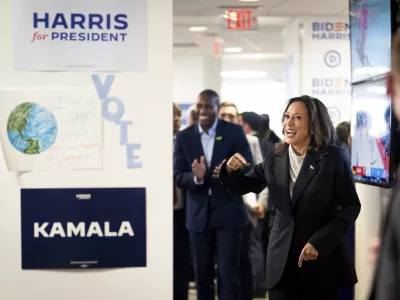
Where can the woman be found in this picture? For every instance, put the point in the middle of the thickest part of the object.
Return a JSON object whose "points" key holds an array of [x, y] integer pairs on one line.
{"points": [[312, 188], [344, 139]]}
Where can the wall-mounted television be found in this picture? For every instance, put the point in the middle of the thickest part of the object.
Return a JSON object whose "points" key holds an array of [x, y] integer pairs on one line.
{"points": [[374, 144], [370, 36]]}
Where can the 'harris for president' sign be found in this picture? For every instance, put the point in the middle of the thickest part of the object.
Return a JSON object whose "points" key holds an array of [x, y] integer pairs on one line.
{"points": [[84, 35]]}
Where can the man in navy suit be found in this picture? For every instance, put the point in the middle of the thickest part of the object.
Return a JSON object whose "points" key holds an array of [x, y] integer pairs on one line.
{"points": [[215, 218]]}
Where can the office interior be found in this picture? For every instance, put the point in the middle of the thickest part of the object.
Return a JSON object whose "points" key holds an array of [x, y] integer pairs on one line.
{"points": [[260, 69], [192, 47]]}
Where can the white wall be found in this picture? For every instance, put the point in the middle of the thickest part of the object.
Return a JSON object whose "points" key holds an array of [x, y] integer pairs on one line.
{"points": [[141, 93], [260, 96], [374, 201], [194, 73], [188, 77], [292, 46], [266, 95], [273, 67]]}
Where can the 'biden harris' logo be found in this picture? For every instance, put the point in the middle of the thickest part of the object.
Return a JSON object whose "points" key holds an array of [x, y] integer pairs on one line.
{"points": [[79, 27]]}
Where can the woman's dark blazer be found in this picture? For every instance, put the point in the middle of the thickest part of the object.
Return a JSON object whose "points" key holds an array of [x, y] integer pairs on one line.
{"points": [[322, 209]]}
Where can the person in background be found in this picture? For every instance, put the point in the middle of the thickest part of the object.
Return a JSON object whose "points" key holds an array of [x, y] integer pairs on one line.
{"points": [[387, 248], [265, 132], [252, 262], [344, 143], [312, 187], [215, 218], [192, 117], [344, 139], [181, 251], [259, 236]]}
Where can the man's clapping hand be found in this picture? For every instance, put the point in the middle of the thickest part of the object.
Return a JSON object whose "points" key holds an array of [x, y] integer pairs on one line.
{"points": [[199, 168]]}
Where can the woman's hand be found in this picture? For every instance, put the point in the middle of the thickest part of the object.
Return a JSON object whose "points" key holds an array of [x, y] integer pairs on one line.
{"points": [[236, 162], [308, 253]]}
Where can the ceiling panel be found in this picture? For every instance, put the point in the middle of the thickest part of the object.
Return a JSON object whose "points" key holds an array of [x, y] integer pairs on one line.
{"points": [[213, 7], [304, 8], [273, 16]]}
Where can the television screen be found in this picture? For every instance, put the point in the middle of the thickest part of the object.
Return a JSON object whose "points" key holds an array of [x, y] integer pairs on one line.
{"points": [[370, 35], [371, 133]]}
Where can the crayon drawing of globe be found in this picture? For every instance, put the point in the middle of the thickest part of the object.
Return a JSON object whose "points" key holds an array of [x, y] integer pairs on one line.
{"points": [[31, 128]]}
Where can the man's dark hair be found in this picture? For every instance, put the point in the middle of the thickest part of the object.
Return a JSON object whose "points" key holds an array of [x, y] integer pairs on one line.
{"points": [[265, 132], [264, 129], [210, 94], [343, 132], [252, 119]]}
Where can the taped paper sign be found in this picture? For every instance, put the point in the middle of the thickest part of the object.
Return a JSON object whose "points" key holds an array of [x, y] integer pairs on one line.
{"points": [[51, 129]]}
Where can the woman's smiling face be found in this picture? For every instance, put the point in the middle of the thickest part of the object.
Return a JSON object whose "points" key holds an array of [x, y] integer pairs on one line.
{"points": [[296, 125]]}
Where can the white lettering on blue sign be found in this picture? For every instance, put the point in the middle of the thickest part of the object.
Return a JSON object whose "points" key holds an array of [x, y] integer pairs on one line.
{"points": [[69, 230], [132, 157], [83, 196]]}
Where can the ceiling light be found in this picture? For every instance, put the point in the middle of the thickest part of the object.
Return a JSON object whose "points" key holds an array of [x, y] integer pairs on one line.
{"points": [[249, 0], [233, 50], [255, 56], [197, 28], [244, 74]]}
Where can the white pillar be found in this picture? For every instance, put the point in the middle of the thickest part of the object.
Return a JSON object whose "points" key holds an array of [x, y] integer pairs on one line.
{"points": [[292, 49], [212, 73], [373, 201]]}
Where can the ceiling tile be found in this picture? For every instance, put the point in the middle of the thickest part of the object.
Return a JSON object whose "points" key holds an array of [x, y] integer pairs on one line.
{"points": [[306, 8]]}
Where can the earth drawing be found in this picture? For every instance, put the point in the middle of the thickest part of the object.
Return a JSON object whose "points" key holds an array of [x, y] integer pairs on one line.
{"points": [[31, 128]]}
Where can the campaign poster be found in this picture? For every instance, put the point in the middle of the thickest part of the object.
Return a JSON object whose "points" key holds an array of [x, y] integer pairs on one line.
{"points": [[326, 58], [80, 35], [80, 228]]}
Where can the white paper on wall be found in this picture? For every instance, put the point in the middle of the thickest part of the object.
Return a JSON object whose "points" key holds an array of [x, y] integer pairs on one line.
{"points": [[51, 129], [80, 35]]}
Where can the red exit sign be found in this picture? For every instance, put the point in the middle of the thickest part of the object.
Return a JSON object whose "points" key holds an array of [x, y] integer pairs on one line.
{"points": [[241, 20]]}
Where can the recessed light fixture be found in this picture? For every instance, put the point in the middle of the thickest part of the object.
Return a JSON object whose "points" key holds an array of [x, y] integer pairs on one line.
{"points": [[249, 0], [197, 28], [243, 74], [233, 50]]}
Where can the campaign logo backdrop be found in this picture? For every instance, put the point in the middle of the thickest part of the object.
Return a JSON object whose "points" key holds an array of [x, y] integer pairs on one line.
{"points": [[83, 228], [80, 35], [326, 69]]}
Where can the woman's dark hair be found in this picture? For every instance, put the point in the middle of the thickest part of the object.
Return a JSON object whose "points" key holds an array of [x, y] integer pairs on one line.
{"points": [[343, 132], [322, 130]]}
